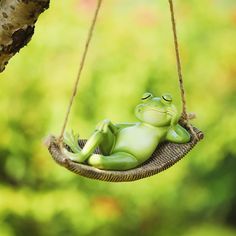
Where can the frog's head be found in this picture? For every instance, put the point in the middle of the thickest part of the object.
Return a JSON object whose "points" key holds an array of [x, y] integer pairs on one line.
{"points": [[156, 111]]}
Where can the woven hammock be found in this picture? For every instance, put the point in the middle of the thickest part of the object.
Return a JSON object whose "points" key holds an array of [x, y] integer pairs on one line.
{"points": [[165, 155]]}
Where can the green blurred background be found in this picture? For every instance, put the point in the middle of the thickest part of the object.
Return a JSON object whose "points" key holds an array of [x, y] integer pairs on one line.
{"points": [[131, 52]]}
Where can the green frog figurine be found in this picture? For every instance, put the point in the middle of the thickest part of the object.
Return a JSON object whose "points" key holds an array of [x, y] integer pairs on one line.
{"points": [[127, 145]]}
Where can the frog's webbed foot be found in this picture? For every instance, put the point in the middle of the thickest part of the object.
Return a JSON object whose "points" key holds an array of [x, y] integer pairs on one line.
{"points": [[71, 140]]}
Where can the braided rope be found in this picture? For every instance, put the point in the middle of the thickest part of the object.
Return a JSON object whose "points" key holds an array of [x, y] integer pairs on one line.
{"points": [[75, 88], [185, 116]]}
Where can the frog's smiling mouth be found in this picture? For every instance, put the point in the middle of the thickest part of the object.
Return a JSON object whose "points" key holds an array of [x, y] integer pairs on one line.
{"points": [[154, 109]]}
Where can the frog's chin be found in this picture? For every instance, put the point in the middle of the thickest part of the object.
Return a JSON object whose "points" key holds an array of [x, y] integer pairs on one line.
{"points": [[155, 118]]}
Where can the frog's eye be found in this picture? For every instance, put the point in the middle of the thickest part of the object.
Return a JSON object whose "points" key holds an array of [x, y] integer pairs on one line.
{"points": [[166, 98], [146, 97]]}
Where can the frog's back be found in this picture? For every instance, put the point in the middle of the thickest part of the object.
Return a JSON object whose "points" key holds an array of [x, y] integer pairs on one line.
{"points": [[137, 140]]}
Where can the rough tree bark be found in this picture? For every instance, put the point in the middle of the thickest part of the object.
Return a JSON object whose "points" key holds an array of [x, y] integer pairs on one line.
{"points": [[17, 22]]}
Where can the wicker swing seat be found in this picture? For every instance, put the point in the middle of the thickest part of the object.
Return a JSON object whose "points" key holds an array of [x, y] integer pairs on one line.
{"points": [[165, 156]]}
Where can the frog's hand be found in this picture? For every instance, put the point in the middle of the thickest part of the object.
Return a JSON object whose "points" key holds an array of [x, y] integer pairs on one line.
{"points": [[178, 134], [71, 140], [172, 111], [106, 125]]}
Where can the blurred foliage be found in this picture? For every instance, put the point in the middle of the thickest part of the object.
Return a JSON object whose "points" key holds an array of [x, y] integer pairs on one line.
{"points": [[132, 52]]}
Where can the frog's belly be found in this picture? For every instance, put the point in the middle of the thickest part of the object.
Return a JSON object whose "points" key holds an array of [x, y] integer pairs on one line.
{"points": [[138, 142]]}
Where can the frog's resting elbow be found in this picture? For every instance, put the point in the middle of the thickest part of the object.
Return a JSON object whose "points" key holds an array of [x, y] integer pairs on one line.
{"points": [[178, 134]]}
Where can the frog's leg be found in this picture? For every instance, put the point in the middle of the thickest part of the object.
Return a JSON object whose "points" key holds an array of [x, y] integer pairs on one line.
{"points": [[109, 136], [80, 155], [103, 136], [178, 134], [107, 142], [116, 161]]}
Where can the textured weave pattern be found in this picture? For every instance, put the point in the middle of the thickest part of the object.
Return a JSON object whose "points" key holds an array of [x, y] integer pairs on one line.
{"points": [[166, 155]]}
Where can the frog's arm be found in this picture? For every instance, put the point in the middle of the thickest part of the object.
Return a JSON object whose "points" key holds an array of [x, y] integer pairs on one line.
{"points": [[124, 125], [178, 134]]}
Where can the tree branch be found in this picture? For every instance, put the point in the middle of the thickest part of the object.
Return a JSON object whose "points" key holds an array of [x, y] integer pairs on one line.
{"points": [[17, 22]]}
